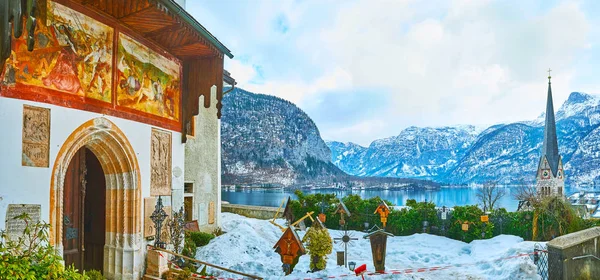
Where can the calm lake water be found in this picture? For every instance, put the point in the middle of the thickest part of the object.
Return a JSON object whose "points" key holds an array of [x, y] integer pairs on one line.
{"points": [[443, 197]]}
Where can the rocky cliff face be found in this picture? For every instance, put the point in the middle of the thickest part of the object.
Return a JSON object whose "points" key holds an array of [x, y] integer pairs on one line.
{"points": [[266, 140], [507, 153]]}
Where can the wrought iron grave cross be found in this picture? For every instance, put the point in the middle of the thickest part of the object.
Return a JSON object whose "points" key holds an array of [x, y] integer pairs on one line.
{"points": [[158, 217]]}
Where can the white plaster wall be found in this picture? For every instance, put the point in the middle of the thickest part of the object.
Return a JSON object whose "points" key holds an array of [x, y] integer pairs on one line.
{"points": [[203, 164], [31, 185]]}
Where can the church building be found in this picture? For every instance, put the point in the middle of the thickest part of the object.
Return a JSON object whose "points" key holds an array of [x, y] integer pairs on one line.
{"points": [[105, 107], [550, 175]]}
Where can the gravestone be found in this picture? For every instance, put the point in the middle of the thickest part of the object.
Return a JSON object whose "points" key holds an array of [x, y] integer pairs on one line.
{"points": [[149, 204], [15, 227]]}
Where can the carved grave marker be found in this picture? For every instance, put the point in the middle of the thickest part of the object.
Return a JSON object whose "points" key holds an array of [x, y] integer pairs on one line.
{"points": [[211, 212], [149, 203], [15, 227], [36, 136], [160, 163]]}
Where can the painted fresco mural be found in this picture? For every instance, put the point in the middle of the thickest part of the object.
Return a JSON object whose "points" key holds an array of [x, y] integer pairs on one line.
{"points": [[73, 54], [147, 81]]}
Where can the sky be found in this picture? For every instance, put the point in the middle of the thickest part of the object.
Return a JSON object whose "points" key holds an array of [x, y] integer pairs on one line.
{"points": [[367, 69]]}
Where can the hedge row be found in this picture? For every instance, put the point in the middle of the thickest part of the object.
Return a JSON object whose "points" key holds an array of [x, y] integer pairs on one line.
{"points": [[409, 221]]}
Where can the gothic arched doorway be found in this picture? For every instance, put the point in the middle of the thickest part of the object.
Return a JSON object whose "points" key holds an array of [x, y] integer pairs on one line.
{"points": [[122, 249], [84, 204]]}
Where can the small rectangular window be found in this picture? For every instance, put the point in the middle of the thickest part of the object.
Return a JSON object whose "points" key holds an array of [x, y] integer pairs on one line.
{"points": [[188, 187]]}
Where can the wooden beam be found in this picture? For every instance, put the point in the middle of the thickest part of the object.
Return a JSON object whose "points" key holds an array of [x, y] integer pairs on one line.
{"points": [[169, 28], [143, 10], [308, 215], [205, 263], [196, 46]]}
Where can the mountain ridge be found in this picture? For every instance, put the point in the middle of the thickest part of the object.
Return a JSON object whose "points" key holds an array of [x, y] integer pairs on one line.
{"points": [[268, 141], [506, 153]]}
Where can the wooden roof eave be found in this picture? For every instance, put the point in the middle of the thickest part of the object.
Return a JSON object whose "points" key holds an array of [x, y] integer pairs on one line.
{"points": [[187, 18], [164, 23]]}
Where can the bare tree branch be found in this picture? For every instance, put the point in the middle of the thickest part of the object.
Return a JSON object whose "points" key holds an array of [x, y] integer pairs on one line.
{"points": [[489, 194]]}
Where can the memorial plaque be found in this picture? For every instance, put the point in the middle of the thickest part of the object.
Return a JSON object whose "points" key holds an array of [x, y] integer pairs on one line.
{"points": [[160, 163], [211, 212], [36, 136], [192, 226], [15, 227], [149, 204], [340, 258]]}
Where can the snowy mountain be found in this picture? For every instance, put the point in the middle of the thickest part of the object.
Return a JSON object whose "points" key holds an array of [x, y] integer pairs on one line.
{"points": [[506, 153], [414, 153], [266, 140]]}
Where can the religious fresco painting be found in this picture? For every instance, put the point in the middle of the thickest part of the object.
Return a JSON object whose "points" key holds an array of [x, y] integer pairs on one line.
{"points": [[147, 81], [73, 54]]}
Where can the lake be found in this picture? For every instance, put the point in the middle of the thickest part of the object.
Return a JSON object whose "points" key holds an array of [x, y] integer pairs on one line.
{"points": [[445, 196]]}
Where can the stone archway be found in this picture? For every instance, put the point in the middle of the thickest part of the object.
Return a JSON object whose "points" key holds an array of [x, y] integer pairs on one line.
{"points": [[123, 252]]}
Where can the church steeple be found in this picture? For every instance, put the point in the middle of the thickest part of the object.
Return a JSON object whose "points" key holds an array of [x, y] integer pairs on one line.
{"points": [[550, 147]]}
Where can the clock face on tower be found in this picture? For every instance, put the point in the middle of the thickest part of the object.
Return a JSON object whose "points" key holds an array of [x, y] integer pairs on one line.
{"points": [[545, 174]]}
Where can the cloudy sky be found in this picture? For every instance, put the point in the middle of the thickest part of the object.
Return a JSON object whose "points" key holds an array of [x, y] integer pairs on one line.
{"points": [[366, 69]]}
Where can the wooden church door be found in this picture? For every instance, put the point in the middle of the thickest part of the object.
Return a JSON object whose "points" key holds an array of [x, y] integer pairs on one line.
{"points": [[84, 212], [73, 197]]}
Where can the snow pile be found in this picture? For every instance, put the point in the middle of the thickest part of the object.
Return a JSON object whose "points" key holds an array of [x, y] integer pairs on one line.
{"points": [[248, 247]]}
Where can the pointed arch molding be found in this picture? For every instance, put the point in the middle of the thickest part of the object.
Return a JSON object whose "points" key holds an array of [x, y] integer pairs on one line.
{"points": [[123, 238]]}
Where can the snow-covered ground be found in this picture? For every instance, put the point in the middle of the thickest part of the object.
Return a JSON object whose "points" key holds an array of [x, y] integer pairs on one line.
{"points": [[248, 247]]}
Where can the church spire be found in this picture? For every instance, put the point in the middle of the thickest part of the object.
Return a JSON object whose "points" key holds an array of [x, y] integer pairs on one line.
{"points": [[550, 148]]}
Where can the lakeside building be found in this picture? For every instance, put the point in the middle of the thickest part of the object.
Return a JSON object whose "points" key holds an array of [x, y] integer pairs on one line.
{"points": [[118, 103]]}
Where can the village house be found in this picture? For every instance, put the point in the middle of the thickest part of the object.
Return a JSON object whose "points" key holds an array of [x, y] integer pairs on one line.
{"points": [[118, 103]]}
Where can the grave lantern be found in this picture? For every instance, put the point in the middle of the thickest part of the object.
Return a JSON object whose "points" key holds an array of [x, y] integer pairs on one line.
{"points": [[484, 218], [290, 248], [383, 210], [351, 265], [378, 241], [343, 211]]}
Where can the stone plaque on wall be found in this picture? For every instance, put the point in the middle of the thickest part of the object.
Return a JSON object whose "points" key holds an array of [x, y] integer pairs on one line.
{"points": [[36, 136], [211, 212], [160, 162], [15, 227], [149, 205]]}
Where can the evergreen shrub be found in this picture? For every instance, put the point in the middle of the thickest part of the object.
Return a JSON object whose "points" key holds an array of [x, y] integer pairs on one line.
{"points": [[31, 256]]}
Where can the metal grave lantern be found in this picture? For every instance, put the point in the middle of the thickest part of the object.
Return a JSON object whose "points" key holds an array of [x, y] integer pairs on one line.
{"points": [[378, 241], [158, 217], [383, 210], [290, 248], [343, 211]]}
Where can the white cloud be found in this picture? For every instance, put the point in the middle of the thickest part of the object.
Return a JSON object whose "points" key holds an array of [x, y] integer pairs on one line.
{"points": [[242, 73], [476, 64], [453, 62], [298, 91]]}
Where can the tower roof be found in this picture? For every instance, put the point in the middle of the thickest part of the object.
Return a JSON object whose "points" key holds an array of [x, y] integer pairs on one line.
{"points": [[550, 148]]}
